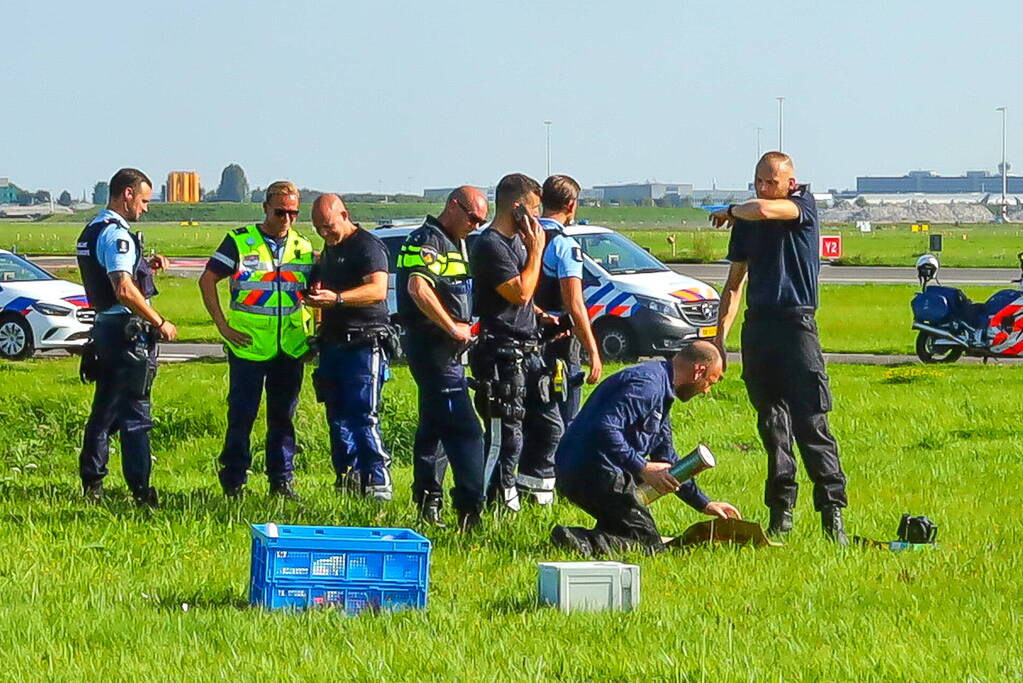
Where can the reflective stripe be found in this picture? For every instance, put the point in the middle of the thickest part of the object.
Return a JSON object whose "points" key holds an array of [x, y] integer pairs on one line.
{"points": [[264, 310], [267, 285], [296, 267], [535, 484], [493, 452], [217, 256]]}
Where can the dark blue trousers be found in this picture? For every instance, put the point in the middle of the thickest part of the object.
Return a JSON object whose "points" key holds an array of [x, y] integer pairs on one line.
{"points": [[116, 407], [282, 378], [348, 381], [446, 418]]}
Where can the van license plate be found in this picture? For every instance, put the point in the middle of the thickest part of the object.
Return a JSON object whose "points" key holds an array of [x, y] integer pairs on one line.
{"points": [[708, 332]]}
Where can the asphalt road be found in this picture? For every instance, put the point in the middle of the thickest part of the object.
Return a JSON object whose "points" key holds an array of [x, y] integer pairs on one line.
{"points": [[713, 272]]}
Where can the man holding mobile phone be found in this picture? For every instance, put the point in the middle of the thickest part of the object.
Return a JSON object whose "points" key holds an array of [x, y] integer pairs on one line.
{"points": [[514, 392]]}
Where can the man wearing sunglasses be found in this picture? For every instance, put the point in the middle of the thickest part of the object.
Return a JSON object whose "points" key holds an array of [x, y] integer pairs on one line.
{"points": [[433, 288], [266, 334]]}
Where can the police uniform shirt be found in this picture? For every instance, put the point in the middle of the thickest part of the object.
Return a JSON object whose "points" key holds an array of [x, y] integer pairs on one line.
{"points": [[496, 259], [115, 250], [452, 291], [782, 257], [625, 420], [342, 267], [224, 261]]}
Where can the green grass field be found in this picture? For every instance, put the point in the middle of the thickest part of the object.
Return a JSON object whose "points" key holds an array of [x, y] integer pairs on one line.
{"points": [[852, 318], [984, 245], [97, 593]]}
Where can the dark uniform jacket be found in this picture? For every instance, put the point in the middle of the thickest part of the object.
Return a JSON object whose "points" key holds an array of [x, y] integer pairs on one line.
{"points": [[428, 252], [626, 420]]}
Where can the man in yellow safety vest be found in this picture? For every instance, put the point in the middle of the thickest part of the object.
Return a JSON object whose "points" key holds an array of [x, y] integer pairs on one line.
{"points": [[266, 334]]}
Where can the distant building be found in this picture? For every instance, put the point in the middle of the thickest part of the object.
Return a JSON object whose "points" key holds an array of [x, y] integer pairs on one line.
{"points": [[8, 192], [183, 186], [637, 193], [716, 196], [931, 183]]}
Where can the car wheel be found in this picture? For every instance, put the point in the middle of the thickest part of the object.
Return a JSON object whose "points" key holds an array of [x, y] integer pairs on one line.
{"points": [[615, 341], [926, 351], [15, 338]]}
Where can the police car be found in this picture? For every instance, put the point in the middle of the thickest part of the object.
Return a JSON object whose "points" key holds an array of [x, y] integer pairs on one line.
{"points": [[638, 306], [39, 311]]}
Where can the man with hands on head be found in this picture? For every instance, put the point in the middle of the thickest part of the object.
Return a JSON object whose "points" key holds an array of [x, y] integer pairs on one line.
{"points": [[434, 289], [266, 333], [349, 286], [774, 242], [514, 393], [623, 437]]}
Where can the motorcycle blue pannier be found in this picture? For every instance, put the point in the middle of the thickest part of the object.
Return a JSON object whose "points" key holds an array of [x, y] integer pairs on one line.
{"points": [[932, 305]]}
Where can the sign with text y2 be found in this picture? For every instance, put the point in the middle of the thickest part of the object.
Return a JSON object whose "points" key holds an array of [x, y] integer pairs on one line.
{"points": [[831, 246]]}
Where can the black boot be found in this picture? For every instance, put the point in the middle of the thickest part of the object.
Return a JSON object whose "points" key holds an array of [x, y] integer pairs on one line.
{"points": [[834, 527], [570, 539], [146, 498], [430, 511], [781, 522], [468, 521], [283, 489], [93, 491]]}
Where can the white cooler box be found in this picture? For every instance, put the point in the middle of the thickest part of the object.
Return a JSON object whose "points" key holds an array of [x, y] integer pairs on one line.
{"points": [[588, 586]]}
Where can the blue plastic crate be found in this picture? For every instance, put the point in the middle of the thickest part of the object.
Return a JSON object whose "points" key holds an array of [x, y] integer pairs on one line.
{"points": [[352, 598], [294, 565]]}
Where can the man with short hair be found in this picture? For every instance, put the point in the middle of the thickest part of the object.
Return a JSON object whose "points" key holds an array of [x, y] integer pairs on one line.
{"points": [[350, 288], [774, 241], [266, 334], [622, 437], [514, 393], [434, 288], [560, 292], [119, 284]]}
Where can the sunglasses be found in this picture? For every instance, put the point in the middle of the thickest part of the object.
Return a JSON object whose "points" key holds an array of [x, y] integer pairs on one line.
{"points": [[473, 218], [281, 213]]}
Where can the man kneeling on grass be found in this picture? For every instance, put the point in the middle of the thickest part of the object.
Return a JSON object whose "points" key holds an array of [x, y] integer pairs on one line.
{"points": [[604, 453]]}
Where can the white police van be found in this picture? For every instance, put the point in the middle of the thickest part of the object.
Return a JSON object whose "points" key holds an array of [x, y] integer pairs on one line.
{"points": [[38, 310], [638, 305]]}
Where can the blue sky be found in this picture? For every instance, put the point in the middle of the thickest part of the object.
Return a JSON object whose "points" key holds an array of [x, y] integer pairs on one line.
{"points": [[401, 95]]}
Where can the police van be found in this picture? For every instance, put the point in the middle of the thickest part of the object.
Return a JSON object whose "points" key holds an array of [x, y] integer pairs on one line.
{"points": [[638, 306], [38, 310]]}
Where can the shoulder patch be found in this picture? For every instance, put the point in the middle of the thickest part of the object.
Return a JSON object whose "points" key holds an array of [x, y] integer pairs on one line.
{"points": [[577, 254], [122, 246], [428, 254]]}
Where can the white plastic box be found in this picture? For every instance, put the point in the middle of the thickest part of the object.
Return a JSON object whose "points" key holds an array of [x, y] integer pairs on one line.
{"points": [[588, 586]]}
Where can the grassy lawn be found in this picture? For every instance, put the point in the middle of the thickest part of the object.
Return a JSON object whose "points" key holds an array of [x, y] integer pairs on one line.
{"points": [[984, 245], [97, 592], [852, 318]]}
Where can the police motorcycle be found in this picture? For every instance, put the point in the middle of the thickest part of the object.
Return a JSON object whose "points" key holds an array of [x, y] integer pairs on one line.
{"points": [[950, 325]]}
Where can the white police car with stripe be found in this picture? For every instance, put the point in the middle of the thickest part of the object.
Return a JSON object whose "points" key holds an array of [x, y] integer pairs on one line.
{"points": [[637, 304], [38, 310]]}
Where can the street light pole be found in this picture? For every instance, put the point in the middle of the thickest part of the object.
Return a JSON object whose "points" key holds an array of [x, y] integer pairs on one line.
{"points": [[547, 124], [1005, 206], [781, 105], [759, 131]]}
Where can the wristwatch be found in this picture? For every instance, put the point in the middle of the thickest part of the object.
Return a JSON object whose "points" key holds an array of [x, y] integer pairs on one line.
{"points": [[340, 299]]}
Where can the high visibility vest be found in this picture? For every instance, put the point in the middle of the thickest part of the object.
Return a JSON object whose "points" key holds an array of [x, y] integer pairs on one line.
{"points": [[266, 296]]}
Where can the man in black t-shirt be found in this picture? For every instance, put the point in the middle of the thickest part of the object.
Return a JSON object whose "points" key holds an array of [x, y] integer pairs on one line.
{"points": [[349, 285], [514, 392], [434, 290], [775, 241]]}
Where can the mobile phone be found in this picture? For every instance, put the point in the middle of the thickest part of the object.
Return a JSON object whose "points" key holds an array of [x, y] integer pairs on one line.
{"points": [[521, 218]]}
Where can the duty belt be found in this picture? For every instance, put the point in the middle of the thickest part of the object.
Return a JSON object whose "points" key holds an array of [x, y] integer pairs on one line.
{"points": [[524, 345]]}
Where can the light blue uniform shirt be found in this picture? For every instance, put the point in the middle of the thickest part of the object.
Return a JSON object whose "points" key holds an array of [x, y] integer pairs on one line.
{"points": [[563, 256], [115, 251]]}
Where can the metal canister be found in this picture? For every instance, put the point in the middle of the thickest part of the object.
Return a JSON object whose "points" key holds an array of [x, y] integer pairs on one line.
{"points": [[698, 460]]}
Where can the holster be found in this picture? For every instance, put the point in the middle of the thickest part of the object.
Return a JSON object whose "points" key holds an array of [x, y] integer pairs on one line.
{"points": [[138, 371], [88, 364], [500, 379]]}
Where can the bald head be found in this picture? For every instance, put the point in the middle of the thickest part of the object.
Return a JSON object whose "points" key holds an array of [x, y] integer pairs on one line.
{"points": [[465, 210], [775, 176], [696, 368], [330, 218]]}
